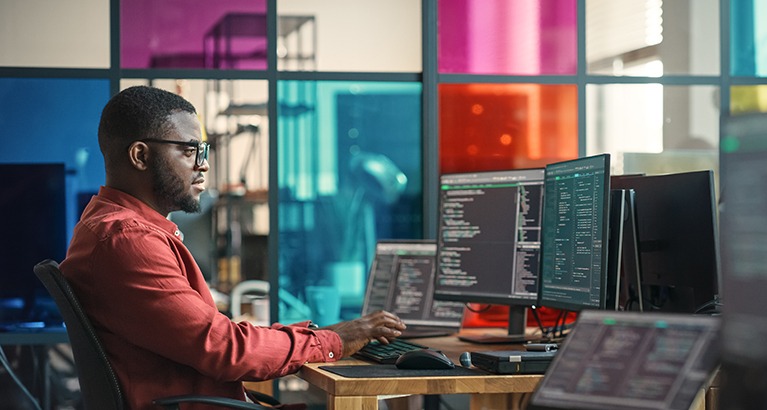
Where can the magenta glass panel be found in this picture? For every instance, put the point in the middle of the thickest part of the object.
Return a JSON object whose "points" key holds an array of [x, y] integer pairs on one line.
{"points": [[516, 37], [193, 34]]}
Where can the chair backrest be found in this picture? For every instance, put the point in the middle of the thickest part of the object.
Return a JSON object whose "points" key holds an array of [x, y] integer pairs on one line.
{"points": [[99, 386]]}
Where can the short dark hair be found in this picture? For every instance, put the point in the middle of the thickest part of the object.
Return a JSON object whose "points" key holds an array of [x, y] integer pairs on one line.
{"points": [[135, 113]]}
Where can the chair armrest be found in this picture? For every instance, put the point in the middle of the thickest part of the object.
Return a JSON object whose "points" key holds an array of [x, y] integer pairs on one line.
{"points": [[225, 402]]}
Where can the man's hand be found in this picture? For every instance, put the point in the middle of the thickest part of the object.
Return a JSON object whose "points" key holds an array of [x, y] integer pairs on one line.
{"points": [[382, 326]]}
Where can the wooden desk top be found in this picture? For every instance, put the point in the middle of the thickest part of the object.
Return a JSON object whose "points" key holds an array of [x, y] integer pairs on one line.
{"points": [[453, 347]]}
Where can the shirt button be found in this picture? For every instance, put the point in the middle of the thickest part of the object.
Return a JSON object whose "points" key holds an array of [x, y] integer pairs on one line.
{"points": [[331, 355], [177, 233]]}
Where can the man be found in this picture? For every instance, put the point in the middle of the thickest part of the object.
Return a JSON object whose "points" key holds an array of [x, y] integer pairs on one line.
{"points": [[141, 287]]}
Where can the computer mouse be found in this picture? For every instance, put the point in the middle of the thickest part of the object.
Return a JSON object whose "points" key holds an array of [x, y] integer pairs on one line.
{"points": [[424, 359]]}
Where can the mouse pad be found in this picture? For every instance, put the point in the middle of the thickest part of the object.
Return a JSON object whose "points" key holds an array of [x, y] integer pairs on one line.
{"points": [[390, 370]]}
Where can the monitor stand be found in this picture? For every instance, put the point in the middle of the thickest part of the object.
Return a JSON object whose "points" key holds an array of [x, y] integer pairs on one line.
{"points": [[623, 272], [516, 330]]}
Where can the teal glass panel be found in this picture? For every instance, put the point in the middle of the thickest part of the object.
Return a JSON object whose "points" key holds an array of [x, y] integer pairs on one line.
{"points": [[56, 120], [748, 38], [350, 172], [524, 37]]}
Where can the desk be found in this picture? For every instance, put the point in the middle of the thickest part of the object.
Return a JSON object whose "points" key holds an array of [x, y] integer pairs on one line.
{"points": [[487, 391]]}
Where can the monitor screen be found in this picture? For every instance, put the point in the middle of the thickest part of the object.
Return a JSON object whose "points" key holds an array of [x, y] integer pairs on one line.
{"points": [[33, 208], [401, 281], [631, 361], [489, 239], [575, 231], [676, 218]]}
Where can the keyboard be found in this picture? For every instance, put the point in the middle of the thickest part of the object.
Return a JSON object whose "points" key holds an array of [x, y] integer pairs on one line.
{"points": [[387, 354]]}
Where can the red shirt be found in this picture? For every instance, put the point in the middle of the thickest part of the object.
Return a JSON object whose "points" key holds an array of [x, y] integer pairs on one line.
{"points": [[153, 311]]}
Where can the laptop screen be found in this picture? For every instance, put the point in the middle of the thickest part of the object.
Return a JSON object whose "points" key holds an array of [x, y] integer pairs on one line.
{"points": [[401, 281], [627, 360]]}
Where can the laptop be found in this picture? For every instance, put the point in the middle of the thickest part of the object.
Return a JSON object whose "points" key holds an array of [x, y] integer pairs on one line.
{"points": [[631, 361], [401, 281]]}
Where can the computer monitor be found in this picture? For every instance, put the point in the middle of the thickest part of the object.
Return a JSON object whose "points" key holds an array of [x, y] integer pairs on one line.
{"points": [[488, 244], [677, 230], [33, 209], [401, 281], [575, 234], [631, 361]]}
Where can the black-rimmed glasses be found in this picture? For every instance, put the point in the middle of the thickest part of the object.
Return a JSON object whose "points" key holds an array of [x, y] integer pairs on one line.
{"points": [[201, 155]]}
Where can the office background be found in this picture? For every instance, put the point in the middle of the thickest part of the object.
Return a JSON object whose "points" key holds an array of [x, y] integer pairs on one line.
{"points": [[331, 121]]}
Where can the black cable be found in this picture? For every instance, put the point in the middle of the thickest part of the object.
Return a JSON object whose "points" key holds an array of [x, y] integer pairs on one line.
{"points": [[553, 331], [564, 324], [485, 309], [7, 366], [538, 319]]}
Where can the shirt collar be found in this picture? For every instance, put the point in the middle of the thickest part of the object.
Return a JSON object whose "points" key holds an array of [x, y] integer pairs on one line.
{"points": [[131, 202]]}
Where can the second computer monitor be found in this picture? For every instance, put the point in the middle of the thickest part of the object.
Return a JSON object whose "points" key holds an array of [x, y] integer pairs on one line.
{"points": [[489, 239], [575, 232], [678, 239]]}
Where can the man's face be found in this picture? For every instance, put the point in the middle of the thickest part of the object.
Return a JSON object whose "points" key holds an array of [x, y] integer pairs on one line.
{"points": [[176, 179]]}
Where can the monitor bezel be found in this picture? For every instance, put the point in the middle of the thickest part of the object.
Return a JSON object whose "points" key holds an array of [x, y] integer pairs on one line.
{"points": [[603, 280], [498, 299]]}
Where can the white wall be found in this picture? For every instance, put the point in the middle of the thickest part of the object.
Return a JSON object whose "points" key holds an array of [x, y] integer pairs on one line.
{"points": [[54, 33]]}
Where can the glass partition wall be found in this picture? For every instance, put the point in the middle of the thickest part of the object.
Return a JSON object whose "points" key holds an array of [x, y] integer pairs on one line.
{"points": [[331, 121]]}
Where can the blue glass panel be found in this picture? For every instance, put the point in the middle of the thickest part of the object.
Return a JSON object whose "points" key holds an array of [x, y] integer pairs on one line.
{"points": [[349, 174], [55, 120]]}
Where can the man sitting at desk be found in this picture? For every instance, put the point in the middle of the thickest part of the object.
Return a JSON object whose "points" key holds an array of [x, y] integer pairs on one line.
{"points": [[141, 287]]}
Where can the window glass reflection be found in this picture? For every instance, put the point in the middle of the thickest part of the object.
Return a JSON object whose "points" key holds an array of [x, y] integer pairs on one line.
{"points": [[61, 34], [506, 126], [748, 38], [748, 98], [349, 174], [651, 38], [654, 129], [71, 109], [349, 35]]}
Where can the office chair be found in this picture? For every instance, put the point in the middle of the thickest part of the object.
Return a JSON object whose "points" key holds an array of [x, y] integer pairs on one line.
{"points": [[99, 386]]}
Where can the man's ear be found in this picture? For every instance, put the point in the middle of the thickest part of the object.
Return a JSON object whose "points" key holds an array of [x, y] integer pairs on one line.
{"points": [[138, 155]]}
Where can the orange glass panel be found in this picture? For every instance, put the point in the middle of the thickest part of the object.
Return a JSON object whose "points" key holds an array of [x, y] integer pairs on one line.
{"points": [[485, 127]]}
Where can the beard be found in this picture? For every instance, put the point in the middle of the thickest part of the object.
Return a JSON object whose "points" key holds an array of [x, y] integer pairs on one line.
{"points": [[170, 189]]}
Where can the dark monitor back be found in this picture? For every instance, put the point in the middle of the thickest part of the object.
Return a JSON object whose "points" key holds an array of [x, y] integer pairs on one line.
{"points": [[575, 234], [33, 211], [678, 238]]}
